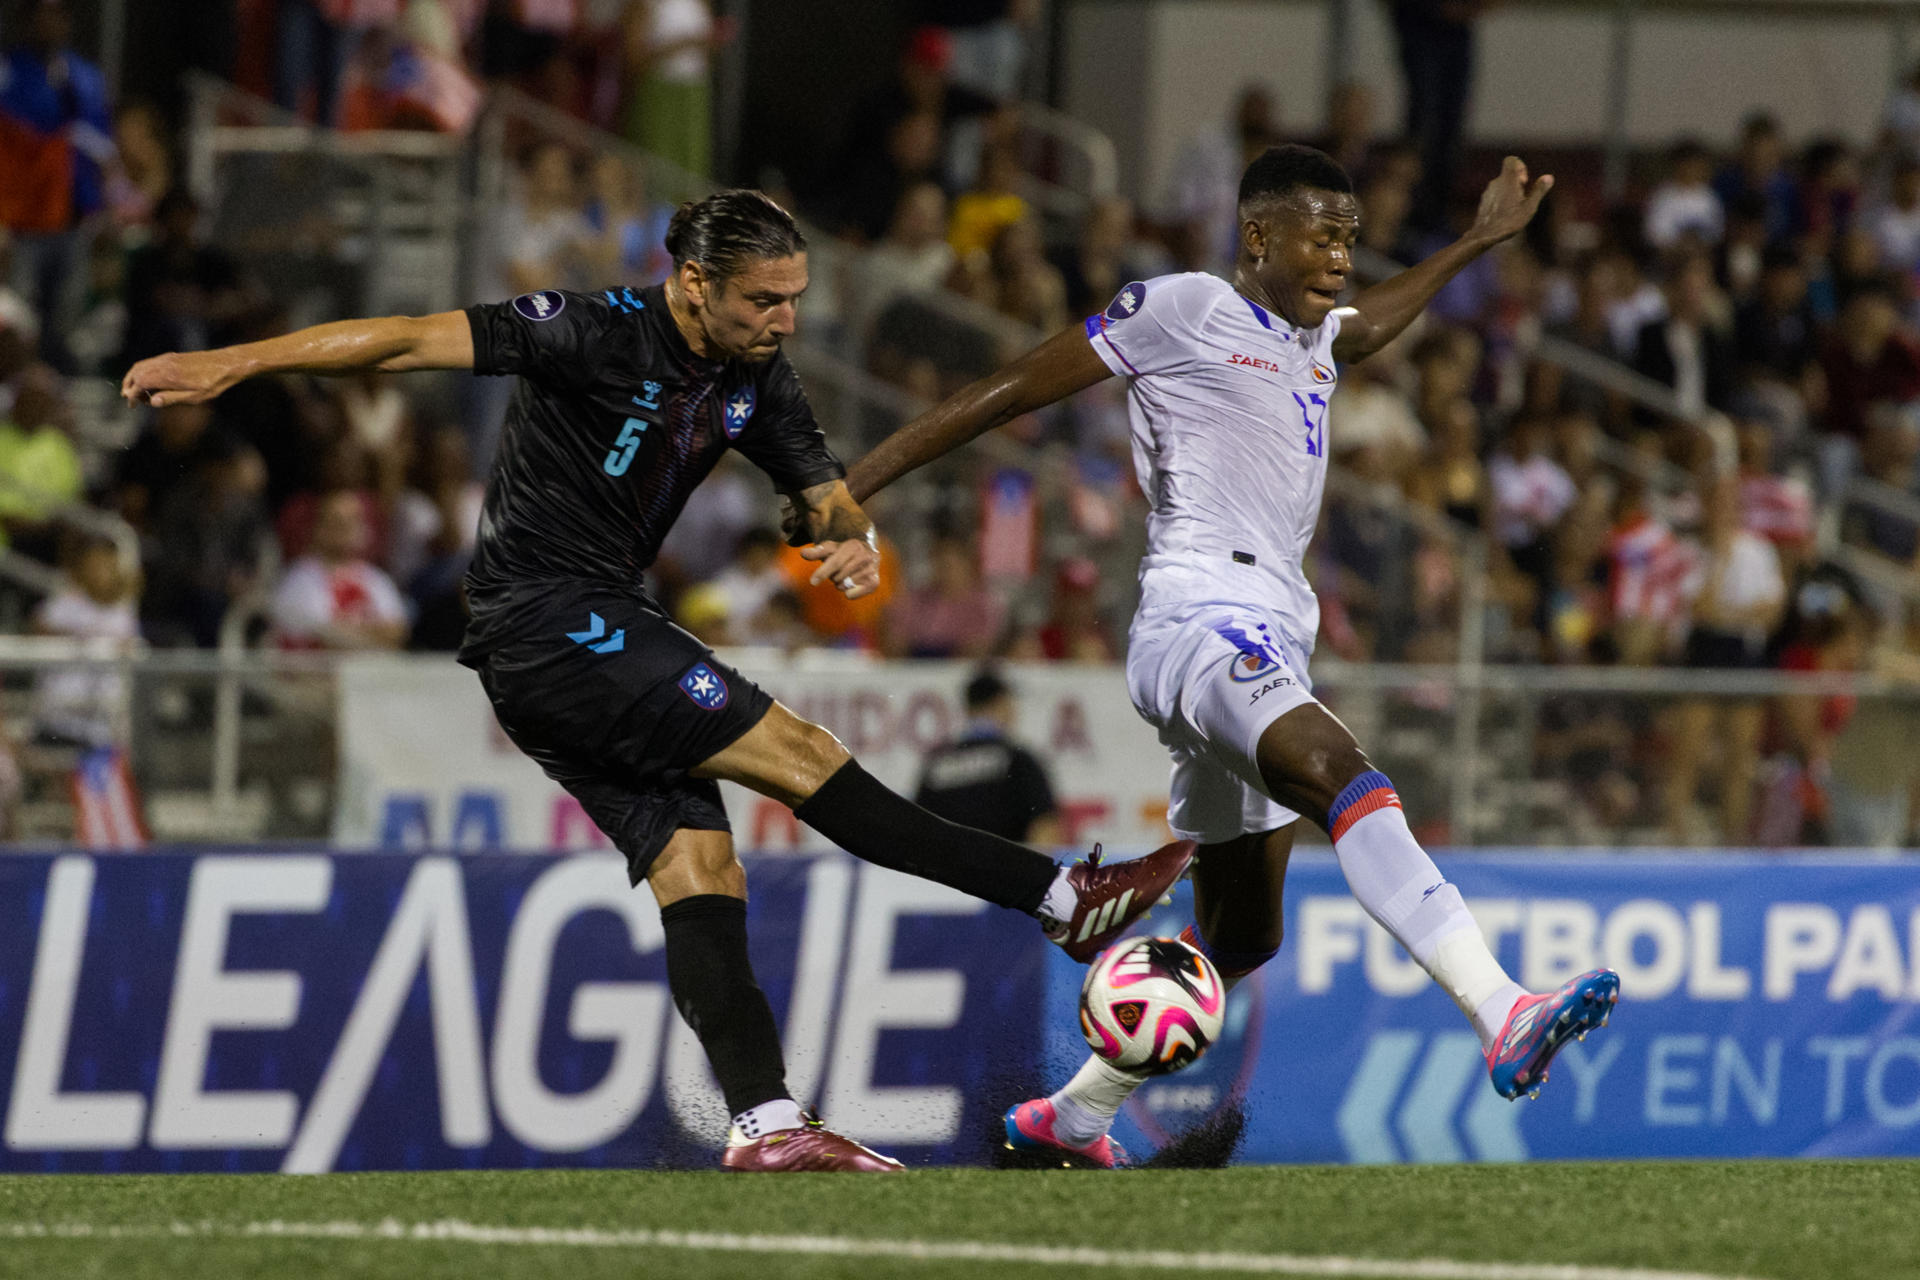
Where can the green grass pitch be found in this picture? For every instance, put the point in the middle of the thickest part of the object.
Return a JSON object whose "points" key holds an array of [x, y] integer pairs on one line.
{"points": [[1802, 1220]]}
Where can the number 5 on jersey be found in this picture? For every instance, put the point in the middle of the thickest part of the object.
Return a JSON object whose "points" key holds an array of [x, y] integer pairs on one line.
{"points": [[620, 457]]}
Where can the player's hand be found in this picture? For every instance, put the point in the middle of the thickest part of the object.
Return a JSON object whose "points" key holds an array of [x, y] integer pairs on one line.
{"points": [[852, 565], [1508, 203], [179, 378]]}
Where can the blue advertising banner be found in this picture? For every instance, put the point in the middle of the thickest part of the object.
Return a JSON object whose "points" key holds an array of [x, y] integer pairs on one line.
{"points": [[309, 1012], [316, 1012], [1768, 1008]]}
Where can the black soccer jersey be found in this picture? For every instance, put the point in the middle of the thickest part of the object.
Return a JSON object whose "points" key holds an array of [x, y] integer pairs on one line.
{"points": [[984, 781], [613, 423]]}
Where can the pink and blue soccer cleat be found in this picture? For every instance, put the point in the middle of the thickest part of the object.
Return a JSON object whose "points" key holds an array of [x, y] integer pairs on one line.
{"points": [[1030, 1130], [1538, 1026]]}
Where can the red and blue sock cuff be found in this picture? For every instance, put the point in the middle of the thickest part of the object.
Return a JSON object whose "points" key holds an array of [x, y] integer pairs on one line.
{"points": [[1231, 964], [1368, 793]]}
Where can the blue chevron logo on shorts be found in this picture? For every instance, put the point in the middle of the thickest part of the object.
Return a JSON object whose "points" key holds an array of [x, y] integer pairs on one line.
{"points": [[597, 627]]}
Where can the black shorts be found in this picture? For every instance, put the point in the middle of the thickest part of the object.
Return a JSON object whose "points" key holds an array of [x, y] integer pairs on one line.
{"points": [[616, 703]]}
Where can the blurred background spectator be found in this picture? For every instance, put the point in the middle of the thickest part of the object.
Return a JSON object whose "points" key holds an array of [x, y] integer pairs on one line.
{"points": [[1436, 40], [985, 779], [96, 600], [56, 145], [334, 597], [952, 614], [669, 46], [1203, 185]]}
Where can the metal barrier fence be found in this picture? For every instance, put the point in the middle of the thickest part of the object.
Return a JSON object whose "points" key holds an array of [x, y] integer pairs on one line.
{"points": [[247, 745]]}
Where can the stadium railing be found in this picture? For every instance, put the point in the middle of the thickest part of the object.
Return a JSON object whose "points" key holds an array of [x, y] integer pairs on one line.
{"points": [[249, 744], [339, 223], [1083, 162]]}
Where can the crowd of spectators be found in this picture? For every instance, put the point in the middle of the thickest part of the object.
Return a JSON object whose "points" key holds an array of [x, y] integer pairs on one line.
{"points": [[1771, 292]]}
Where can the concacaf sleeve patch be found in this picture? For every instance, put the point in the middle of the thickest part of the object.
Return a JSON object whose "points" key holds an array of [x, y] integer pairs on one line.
{"points": [[1128, 301], [544, 305]]}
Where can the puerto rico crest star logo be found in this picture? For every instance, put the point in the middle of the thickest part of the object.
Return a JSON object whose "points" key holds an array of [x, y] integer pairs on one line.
{"points": [[704, 685], [739, 409]]}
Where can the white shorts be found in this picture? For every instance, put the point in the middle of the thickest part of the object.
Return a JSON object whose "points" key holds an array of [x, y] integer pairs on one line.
{"points": [[1211, 678]]}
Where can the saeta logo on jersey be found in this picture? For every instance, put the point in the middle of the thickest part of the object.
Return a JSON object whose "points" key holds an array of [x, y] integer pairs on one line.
{"points": [[544, 305], [1253, 362]]}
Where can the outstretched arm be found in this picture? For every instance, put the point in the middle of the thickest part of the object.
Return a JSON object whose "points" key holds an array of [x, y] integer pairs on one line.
{"points": [[1380, 314], [393, 344], [842, 538], [1054, 370]]}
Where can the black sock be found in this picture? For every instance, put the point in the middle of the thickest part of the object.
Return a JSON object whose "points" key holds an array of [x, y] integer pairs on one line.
{"points": [[858, 813], [713, 987]]}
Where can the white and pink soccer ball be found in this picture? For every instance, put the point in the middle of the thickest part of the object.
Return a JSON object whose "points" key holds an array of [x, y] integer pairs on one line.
{"points": [[1151, 1005]]}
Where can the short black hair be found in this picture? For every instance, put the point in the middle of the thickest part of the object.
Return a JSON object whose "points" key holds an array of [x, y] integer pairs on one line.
{"points": [[730, 230], [1686, 149], [986, 688], [1279, 171]]}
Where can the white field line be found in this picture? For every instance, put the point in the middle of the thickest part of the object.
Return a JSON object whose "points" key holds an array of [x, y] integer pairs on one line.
{"points": [[455, 1231]]}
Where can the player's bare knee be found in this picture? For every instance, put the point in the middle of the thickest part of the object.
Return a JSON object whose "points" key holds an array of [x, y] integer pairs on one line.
{"points": [[1322, 772], [817, 751], [695, 863]]}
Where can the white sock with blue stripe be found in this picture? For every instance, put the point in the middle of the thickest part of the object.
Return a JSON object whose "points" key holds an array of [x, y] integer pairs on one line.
{"points": [[1400, 887]]}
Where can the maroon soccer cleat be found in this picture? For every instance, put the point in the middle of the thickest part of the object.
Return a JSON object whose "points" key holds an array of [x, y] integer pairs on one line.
{"points": [[1115, 894], [812, 1148]]}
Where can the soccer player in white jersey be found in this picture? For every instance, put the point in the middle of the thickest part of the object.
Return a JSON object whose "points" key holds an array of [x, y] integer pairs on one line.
{"points": [[1229, 384]]}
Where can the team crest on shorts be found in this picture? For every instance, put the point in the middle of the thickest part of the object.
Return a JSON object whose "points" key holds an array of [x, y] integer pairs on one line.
{"points": [[704, 685], [1251, 666], [1127, 302], [739, 410], [543, 305]]}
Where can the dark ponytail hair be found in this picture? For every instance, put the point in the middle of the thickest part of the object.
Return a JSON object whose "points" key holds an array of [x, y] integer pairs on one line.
{"points": [[730, 230]]}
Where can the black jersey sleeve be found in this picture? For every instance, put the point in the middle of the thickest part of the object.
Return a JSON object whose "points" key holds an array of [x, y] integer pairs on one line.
{"points": [[784, 440], [548, 336]]}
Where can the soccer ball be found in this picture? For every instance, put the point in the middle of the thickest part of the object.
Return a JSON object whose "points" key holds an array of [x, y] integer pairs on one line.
{"points": [[1151, 1005]]}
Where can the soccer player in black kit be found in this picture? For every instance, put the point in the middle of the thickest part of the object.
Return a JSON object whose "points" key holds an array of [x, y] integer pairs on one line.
{"points": [[626, 399]]}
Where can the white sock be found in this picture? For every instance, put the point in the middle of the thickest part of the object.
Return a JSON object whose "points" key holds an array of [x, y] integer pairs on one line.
{"points": [[769, 1117], [1400, 887], [1085, 1106], [1061, 900]]}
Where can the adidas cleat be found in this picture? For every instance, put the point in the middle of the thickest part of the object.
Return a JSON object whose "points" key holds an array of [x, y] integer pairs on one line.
{"points": [[1112, 895], [1538, 1026], [1030, 1132]]}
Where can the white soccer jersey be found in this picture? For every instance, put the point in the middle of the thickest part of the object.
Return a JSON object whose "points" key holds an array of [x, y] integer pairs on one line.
{"points": [[1229, 409]]}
